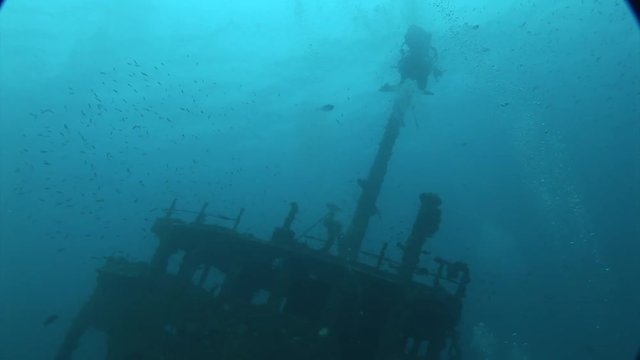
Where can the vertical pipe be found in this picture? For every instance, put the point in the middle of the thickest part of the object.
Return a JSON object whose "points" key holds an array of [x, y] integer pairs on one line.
{"points": [[426, 224]]}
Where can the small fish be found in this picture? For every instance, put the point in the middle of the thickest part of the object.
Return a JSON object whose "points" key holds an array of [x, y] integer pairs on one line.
{"points": [[48, 321], [387, 88], [327, 107]]}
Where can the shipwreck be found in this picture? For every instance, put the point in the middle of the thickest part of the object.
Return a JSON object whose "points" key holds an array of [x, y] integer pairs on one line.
{"points": [[237, 297]]}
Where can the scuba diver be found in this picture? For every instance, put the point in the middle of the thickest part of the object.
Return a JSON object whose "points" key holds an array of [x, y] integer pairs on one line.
{"points": [[418, 60]]}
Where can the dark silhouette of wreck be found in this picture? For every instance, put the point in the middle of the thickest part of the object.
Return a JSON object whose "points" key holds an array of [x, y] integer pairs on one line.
{"points": [[282, 299]]}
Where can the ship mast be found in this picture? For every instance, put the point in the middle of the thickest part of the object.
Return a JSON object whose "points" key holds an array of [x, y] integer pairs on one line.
{"points": [[350, 245]]}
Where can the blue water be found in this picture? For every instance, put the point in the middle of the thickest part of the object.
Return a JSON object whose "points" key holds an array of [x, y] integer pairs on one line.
{"points": [[110, 109]]}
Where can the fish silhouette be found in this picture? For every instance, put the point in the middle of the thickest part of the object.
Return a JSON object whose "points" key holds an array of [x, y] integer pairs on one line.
{"points": [[48, 321]]}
